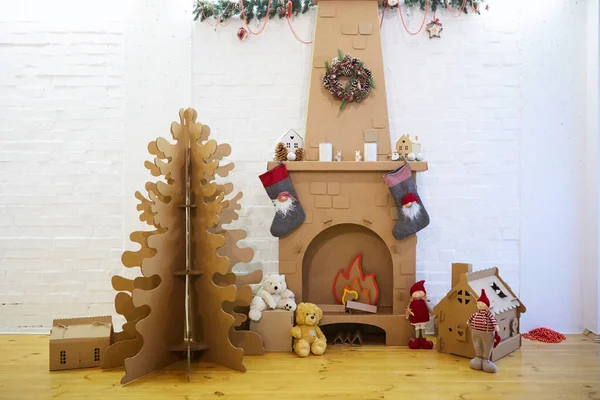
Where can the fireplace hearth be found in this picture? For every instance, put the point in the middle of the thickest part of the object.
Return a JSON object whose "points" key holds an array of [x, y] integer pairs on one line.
{"points": [[349, 212]]}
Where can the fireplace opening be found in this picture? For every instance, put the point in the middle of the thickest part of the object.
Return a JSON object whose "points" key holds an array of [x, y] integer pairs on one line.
{"points": [[348, 259], [353, 334]]}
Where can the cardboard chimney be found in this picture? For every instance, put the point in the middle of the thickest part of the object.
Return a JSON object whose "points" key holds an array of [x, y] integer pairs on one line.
{"points": [[349, 210]]}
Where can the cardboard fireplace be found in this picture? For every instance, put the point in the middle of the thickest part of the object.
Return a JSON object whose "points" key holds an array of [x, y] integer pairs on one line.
{"points": [[349, 210]]}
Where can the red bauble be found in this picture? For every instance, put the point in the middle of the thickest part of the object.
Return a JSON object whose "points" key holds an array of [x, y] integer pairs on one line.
{"points": [[242, 33]]}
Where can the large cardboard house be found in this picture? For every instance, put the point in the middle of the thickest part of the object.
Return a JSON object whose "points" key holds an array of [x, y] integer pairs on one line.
{"points": [[453, 311]]}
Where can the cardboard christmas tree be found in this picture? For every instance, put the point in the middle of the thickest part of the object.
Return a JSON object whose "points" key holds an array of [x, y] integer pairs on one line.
{"points": [[184, 306]]}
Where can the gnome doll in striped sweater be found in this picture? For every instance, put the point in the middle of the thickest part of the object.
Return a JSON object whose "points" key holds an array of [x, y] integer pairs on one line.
{"points": [[484, 328]]}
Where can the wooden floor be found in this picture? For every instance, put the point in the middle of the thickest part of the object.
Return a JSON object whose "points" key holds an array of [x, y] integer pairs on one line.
{"points": [[569, 370]]}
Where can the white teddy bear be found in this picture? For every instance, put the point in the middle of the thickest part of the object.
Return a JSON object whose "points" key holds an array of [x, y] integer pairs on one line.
{"points": [[272, 293]]}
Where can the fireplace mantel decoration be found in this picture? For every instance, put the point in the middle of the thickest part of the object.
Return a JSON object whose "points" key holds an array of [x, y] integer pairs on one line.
{"points": [[349, 209], [360, 79]]}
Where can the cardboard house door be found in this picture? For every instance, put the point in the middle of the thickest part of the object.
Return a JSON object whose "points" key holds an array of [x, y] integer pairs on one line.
{"points": [[86, 357]]}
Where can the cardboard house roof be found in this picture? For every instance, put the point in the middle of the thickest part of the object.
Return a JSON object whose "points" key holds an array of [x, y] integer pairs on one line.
{"points": [[413, 139], [291, 132], [81, 328], [498, 292]]}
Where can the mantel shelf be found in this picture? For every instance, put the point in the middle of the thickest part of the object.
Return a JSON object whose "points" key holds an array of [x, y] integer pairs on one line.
{"points": [[366, 166]]}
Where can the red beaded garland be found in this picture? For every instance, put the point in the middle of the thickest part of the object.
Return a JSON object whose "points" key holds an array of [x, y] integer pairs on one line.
{"points": [[545, 335]]}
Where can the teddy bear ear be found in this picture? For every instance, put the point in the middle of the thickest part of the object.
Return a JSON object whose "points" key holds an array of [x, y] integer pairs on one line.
{"points": [[320, 313]]}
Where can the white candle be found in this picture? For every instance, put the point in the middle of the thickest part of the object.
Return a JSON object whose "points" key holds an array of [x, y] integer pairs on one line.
{"points": [[325, 152], [370, 151]]}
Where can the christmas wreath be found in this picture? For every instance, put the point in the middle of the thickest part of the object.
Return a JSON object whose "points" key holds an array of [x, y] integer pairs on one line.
{"points": [[360, 79]]}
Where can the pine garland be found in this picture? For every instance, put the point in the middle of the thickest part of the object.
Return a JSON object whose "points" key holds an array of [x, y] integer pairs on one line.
{"points": [[226, 9], [454, 4], [254, 9]]}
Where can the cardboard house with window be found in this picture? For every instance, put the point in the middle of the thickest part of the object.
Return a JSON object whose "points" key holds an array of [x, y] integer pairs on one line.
{"points": [[292, 140], [79, 342], [453, 311], [408, 144]]}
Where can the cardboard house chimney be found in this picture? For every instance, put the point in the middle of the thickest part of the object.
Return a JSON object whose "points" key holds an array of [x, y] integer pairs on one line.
{"points": [[453, 311], [79, 342]]}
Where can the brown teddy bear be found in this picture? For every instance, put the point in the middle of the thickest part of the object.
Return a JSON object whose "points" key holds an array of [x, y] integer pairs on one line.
{"points": [[308, 337]]}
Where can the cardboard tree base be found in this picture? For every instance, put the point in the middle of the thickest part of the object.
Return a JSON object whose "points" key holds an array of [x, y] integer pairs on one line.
{"points": [[185, 304]]}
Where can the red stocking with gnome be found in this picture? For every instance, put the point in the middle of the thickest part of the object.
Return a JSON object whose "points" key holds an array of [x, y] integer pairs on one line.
{"points": [[418, 313]]}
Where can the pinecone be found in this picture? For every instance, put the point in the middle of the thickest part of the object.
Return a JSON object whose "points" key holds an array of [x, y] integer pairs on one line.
{"points": [[281, 152], [299, 154]]}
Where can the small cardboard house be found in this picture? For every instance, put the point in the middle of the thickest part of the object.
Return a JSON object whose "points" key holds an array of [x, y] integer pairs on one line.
{"points": [[79, 342], [453, 311], [292, 140], [408, 144]]}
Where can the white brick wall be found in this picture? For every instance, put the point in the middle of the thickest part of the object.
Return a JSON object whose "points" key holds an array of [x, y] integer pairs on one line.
{"points": [[80, 99], [75, 90], [61, 141]]}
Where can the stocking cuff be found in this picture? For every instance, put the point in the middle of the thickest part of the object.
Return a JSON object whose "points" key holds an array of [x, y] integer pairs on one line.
{"points": [[397, 176], [274, 175]]}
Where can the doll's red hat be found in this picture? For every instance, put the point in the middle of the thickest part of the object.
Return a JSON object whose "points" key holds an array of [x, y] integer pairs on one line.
{"points": [[483, 298], [418, 286], [409, 198]]}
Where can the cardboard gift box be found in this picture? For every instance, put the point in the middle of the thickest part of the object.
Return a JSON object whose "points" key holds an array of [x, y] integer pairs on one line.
{"points": [[274, 327]]}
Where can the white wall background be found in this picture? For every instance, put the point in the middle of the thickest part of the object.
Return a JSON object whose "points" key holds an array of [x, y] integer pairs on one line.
{"points": [[502, 104], [591, 271]]}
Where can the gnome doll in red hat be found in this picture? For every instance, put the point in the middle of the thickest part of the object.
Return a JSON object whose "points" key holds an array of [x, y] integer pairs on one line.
{"points": [[484, 329], [418, 313]]}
